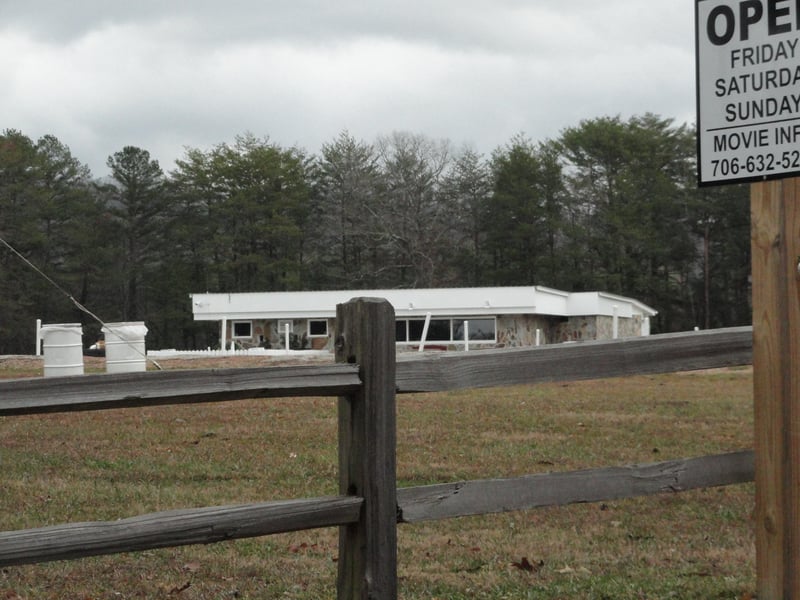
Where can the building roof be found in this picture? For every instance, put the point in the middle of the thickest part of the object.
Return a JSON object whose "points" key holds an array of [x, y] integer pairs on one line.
{"points": [[451, 302]]}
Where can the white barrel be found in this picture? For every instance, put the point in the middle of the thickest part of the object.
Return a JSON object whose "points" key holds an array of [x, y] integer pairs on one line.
{"points": [[63, 349], [125, 350]]}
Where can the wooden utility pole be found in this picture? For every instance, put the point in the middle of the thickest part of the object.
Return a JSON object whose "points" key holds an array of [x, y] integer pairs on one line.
{"points": [[775, 240]]}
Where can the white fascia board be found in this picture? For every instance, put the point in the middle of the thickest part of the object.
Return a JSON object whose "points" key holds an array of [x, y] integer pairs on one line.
{"points": [[510, 300], [551, 302], [634, 306], [250, 316], [602, 303], [582, 303], [459, 301], [406, 302], [269, 305], [452, 312], [596, 303], [552, 291], [450, 302]]}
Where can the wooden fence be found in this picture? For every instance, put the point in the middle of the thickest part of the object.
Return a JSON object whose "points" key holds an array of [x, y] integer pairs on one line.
{"points": [[366, 377]]}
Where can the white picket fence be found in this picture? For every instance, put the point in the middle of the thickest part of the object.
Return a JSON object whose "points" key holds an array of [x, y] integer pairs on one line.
{"points": [[209, 353]]}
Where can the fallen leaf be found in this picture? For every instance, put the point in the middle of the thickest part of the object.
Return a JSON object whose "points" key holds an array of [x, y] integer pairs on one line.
{"points": [[526, 565], [192, 567], [566, 569], [179, 589], [298, 548]]}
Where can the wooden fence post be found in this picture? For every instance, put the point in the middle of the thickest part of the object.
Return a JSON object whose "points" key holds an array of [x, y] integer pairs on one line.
{"points": [[775, 216], [365, 331]]}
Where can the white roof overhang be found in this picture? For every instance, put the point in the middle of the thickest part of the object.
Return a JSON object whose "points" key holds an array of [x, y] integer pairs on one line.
{"points": [[451, 302]]}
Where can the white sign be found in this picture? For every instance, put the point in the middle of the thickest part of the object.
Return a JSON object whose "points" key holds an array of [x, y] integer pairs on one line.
{"points": [[748, 89]]}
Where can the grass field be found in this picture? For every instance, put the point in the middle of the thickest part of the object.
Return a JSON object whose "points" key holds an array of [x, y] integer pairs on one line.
{"points": [[113, 464]]}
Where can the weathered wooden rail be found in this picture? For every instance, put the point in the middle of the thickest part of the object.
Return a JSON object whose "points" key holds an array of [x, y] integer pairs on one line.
{"points": [[366, 378]]}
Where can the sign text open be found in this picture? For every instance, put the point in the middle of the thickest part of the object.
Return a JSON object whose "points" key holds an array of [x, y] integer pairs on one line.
{"points": [[748, 89]]}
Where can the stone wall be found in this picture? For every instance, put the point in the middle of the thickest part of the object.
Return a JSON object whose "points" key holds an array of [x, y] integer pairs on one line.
{"points": [[516, 331], [578, 329], [266, 335]]}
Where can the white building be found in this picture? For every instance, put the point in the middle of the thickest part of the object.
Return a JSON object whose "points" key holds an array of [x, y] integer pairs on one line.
{"points": [[491, 317]]}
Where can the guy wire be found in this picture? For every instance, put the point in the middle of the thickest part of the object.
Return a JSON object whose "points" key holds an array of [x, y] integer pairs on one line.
{"points": [[72, 299]]}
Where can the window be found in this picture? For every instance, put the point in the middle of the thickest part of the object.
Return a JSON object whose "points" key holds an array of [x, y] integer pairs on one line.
{"points": [[242, 329], [438, 330], [318, 328], [481, 329], [415, 330], [401, 330]]}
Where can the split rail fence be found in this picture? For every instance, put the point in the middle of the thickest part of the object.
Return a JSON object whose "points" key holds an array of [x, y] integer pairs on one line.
{"points": [[366, 378]]}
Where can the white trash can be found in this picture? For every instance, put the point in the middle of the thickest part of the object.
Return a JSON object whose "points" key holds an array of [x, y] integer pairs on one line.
{"points": [[63, 349], [125, 349]]}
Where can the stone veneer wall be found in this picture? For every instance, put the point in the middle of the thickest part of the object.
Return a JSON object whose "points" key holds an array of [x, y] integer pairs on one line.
{"points": [[577, 329], [274, 338], [516, 331]]}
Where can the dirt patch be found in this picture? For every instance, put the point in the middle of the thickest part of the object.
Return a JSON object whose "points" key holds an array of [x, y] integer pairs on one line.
{"points": [[13, 367], [238, 362], [740, 370], [21, 362]]}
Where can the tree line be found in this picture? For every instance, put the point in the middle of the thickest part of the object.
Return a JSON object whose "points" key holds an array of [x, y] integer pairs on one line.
{"points": [[609, 205]]}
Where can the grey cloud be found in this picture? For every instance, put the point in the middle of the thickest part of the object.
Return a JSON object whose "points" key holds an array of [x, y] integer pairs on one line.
{"points": [[164, 75]]}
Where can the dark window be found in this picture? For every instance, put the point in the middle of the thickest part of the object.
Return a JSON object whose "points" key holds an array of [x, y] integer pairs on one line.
{"points": [[439, 330], [479, 329], [415, 329], [318, 327], [242, 329], [444, 330]]}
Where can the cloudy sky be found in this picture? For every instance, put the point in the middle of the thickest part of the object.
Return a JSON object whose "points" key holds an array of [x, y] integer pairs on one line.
{"points": [[169, 74]]}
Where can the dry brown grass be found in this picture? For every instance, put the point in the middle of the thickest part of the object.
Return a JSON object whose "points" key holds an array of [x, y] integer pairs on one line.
{"points": [[118, 463]]}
